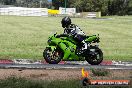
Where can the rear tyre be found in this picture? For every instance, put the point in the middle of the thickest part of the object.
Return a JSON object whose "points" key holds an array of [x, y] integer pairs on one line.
{"points": [[52, 57], [95, 57]]}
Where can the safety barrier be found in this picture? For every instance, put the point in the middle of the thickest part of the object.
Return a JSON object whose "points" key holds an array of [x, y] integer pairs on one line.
{"points": [[20, 11]]}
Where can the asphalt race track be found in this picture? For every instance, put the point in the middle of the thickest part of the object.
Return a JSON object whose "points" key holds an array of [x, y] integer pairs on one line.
{"points": [[63, 66]]}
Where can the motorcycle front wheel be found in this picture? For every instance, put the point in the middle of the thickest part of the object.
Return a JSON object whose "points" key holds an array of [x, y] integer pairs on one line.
{"points": [[52, 57], [95, 57]]}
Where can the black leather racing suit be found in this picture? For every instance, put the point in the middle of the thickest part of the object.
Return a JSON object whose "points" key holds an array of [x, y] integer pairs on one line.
{"points": [[77, 33]]}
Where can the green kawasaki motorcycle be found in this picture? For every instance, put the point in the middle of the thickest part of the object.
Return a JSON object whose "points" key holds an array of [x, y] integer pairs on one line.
{"points": [[64, 47]]}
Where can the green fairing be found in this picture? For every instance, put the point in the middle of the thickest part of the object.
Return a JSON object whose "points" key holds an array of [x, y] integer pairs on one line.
{"points": [[68, 46]]}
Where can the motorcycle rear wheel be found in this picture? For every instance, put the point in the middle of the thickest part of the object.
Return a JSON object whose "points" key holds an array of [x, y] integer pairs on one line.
{"points": [[97, 58], [52, 57]]}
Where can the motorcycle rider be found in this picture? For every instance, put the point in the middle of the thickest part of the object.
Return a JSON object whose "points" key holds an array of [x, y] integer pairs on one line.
{"points": [[73, 30]]}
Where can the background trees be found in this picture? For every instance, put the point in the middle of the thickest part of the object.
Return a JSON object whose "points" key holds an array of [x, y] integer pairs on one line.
{"points": [[27, 3], [107, 7]]}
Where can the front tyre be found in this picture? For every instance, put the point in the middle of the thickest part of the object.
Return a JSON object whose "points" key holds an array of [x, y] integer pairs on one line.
{"points": [[52, 57], [95, 57]]}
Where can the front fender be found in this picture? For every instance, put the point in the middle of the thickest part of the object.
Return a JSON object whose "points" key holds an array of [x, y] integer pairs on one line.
{"points": [[51, 47]]}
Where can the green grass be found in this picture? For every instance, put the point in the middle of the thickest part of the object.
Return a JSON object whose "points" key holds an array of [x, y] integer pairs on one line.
{"points": [[14, 82], [26, 37]]}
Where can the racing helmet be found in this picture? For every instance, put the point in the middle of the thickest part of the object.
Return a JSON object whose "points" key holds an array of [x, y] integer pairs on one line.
{"points": [[65, 21]]}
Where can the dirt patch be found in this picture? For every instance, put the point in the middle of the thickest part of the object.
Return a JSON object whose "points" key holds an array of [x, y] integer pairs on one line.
{"points": [[43, 74]]}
